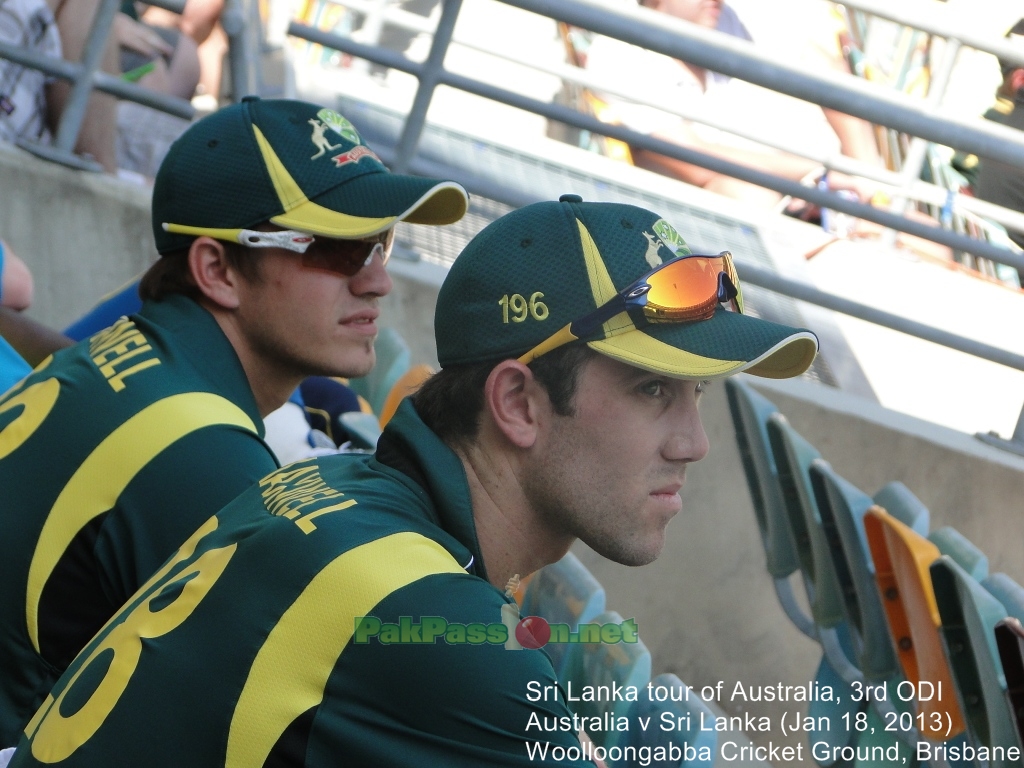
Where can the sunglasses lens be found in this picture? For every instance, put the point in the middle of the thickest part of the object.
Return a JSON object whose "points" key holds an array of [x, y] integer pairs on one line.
{"points": [[342, 257], [686, 289]]}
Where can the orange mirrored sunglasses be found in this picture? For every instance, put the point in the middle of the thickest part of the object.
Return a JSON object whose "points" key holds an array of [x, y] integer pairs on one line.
{"points": [[685, 289]]}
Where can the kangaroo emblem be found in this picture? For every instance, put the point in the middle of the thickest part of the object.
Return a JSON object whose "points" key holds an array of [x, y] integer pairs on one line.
{"points": [[652, 255], [319, 140]]}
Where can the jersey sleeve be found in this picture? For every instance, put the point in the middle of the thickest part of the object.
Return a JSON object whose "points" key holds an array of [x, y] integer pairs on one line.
{"points": [[173, 495], [460, 700]]}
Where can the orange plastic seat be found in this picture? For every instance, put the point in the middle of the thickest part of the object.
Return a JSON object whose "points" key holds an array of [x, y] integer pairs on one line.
{"points": [[407, 383], [902, 558]]}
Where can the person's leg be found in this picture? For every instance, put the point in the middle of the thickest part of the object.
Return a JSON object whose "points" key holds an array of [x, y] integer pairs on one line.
{"points": [[96, 137], [201, 22], [211, 61], [184, 70]]}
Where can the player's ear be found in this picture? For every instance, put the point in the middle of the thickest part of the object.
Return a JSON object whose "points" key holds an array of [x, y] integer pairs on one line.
{"points": [[511, 399], [212, 273]]}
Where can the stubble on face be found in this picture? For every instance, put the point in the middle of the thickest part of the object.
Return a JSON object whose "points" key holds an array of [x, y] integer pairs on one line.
{"points": [[594, 474]]}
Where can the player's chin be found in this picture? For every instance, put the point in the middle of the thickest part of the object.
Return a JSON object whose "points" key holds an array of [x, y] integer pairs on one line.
{"points": [[642, 548], [353, 365]]}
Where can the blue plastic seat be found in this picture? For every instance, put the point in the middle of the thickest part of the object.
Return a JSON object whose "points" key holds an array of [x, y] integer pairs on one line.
{"points": [[686, 711], [606, 664], [563, 593], [969, 615]]}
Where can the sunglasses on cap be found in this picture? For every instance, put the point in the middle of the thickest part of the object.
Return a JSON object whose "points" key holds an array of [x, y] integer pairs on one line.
{"points": [[685, 289], [329, 254]]}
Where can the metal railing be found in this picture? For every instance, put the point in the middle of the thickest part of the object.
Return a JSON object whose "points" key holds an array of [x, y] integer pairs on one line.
{"points": [[87, 76], [910, 185], [737, 58]]}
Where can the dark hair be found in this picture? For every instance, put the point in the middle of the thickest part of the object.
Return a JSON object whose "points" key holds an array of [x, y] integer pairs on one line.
{"points": [[171, 273], [451, 400]]}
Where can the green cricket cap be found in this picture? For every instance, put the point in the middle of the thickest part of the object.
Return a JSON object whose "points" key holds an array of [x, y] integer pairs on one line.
{"points": [[292, 163], [539, 268]]}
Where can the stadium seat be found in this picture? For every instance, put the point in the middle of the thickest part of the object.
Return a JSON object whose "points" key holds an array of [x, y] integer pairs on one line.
{"points": [[363, 429], [687, 712], [407, 383], [842, 507], [750, 412], [793, 457], [1010, 642], [606, 664], [902, 558], [969, 614], [563, 593], [393, 358]]}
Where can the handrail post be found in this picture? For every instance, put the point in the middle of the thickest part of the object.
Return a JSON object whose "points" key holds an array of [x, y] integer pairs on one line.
{"points": [[62, 149], [239, 50], [918, 151], [1016, 442], [413, 128]]}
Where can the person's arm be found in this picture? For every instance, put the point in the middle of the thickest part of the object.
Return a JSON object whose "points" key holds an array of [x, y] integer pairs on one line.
{"points": [[778, 163], [453, 702], [856, 136], [16, 284], [30, 339], [99, 127]]}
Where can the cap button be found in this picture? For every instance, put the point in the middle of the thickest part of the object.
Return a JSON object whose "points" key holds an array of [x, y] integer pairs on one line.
{"points": [[250, 97], [570, 199]]}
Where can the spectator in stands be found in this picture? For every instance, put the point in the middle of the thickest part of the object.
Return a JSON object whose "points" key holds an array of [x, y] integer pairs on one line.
{"points": [[144, 134], [173, 56], [200, 21], [353, 605], [680, 82], [16, 289], [274, 221], [16, 283], [31, 103], [999, 182]]}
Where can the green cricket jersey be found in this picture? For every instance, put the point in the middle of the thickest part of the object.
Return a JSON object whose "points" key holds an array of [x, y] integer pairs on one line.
{"points": [[111, 454], [338, 613]]}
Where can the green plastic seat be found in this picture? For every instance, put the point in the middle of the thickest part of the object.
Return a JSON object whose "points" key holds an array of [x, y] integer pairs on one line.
{"points": [[363, 429], [563, 593], [750, 412], [969, 615], [393, 360], [606, 664], [842, 507], [793, 458]]}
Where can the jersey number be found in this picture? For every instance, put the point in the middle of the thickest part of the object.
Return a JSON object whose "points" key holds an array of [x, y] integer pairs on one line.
{"points": [[107, 665]]}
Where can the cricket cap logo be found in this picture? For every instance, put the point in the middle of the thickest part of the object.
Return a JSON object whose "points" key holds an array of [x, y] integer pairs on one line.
{"points": [[664, 235], [339, 125], [354, 155]]}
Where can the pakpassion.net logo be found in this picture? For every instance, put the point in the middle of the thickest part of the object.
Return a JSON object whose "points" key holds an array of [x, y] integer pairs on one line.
{"points": [[512, 632]]}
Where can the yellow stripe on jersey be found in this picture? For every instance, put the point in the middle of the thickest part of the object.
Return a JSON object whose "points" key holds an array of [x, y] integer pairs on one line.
{"points": [[103, 476], [292, 667]]}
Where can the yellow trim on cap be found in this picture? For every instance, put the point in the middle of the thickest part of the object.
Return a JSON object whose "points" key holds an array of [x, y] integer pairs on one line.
{"points": [[601, 286], [301, 213], [444, 203], [790, 357], [214, 232]]}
